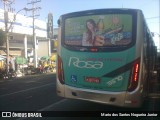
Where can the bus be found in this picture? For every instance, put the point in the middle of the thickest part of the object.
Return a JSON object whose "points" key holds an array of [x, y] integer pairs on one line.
{"points": [[105, 56]]}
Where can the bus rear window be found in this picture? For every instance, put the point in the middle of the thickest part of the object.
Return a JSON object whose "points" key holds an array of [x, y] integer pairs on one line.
{"points": [[98, 30]]}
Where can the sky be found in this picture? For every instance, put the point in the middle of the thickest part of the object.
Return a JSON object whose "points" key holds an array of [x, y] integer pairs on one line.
{"points": [[150, 9]]}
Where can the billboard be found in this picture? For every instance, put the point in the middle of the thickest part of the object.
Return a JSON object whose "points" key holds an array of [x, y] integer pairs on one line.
{"points": [[23, 24]]}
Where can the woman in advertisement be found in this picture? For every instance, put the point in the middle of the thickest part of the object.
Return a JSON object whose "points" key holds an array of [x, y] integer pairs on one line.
{"points": [[90, 38]]}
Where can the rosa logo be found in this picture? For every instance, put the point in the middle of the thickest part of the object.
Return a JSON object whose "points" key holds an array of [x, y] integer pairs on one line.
{"points": [[85, 64]]}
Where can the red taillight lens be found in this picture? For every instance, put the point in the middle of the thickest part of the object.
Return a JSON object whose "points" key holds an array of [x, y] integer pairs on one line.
{"points": [[60, 70], [93, 49], [134, 77], [136, 70]]}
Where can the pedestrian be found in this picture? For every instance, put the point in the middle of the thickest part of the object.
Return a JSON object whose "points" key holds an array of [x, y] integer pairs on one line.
{"points": [[10, 67]]}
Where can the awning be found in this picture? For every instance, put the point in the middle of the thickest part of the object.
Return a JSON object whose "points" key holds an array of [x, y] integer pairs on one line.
{"points": [[45, 58], [2, 57], [53, 58], [11, 52], [15, 52], [2, 52], [21, 60]]}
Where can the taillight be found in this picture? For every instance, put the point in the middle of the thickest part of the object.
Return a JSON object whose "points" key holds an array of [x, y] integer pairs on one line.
{"points": [[60, 70], [133, 83], [93, 49], [136, 70]]}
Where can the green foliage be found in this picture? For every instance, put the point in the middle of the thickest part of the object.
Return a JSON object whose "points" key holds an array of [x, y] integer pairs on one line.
{"points": [[2, 37]]}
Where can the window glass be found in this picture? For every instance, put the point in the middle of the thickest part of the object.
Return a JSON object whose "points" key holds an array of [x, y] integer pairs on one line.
{"points": [[99, 30]]}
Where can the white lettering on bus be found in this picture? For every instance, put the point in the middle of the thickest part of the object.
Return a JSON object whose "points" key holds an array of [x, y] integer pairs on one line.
{"points": [[114, 80], [85, 64]]}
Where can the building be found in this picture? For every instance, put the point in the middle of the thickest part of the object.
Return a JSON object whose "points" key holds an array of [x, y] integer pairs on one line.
{"points": [[21, 36]]}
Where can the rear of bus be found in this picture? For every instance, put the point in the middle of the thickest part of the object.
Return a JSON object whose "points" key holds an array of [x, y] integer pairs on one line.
{"points": [[101, 65]]}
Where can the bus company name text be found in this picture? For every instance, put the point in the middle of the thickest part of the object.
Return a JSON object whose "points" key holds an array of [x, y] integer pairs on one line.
{"points": [[105, 59], [24, 114], [85, 64]]}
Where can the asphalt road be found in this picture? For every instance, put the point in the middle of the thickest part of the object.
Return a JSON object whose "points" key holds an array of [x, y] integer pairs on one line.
{"points": [[38, 93]]}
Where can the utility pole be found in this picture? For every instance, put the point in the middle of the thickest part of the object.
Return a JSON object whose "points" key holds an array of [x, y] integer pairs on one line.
{"points": [[34, 42], [159, 23], [7, 4]]}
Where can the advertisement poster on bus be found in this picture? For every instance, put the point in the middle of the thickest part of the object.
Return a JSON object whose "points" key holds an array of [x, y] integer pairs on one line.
{"points": [[99, 30]]}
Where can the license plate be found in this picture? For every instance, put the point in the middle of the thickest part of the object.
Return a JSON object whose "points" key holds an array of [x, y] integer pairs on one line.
{"points": [[92, 80]]}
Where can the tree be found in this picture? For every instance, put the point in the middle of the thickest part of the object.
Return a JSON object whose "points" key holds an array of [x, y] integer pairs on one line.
{"points": [[2, 37]]}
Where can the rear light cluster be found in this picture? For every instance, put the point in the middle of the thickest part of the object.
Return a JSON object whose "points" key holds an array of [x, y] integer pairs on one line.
{"points": [[135, 77], [94, 50], [133, 83], [60, 70]]}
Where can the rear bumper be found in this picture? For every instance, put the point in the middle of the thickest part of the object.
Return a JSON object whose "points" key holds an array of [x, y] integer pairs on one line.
{"points": [[121, 99]]}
